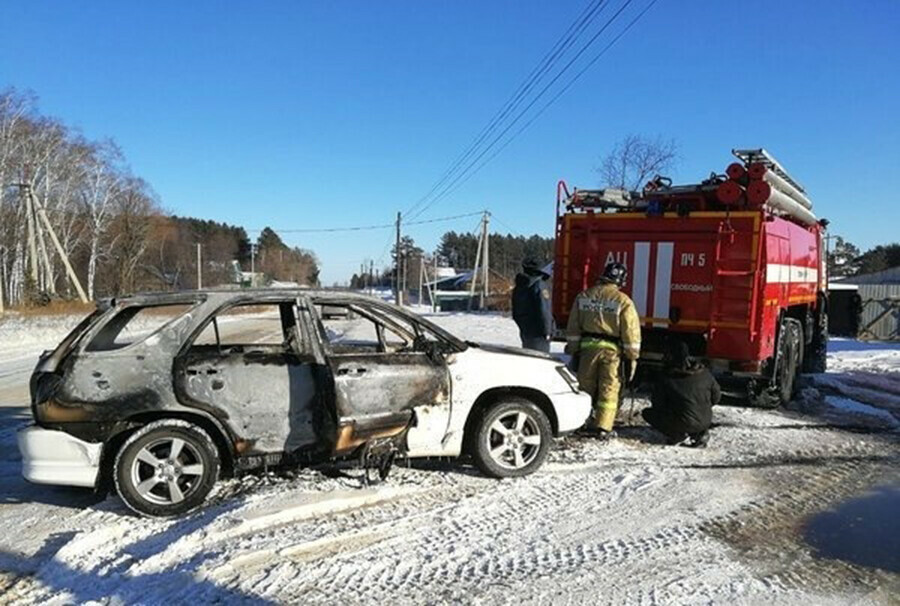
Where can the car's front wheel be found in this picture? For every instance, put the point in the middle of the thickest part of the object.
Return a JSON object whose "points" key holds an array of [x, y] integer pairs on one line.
{"points": [[166, 468], [511, 439]]}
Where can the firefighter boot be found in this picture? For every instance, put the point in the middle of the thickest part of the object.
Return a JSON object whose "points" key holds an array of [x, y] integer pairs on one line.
{"points": [[598, 374]]}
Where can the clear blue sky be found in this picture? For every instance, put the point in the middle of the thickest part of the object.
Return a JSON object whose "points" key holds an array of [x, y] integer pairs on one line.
{"points": [[304, 115]]}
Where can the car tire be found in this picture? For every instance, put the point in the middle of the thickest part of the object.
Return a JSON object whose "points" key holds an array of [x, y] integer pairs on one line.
{"points": [[511, 439], [154, 483]]}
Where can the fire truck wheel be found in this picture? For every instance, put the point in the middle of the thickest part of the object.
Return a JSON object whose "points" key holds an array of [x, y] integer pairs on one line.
{"points": [[817, 352], [791, 355]]}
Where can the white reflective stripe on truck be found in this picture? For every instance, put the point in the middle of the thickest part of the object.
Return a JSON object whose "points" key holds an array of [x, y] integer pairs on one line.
{"points": [[663, 284], [641, 277], [785, 274]]}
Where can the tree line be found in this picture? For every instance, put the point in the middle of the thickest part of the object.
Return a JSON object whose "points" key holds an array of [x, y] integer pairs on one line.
{"points": [[109, 222], [458, 250], [846, 260]]}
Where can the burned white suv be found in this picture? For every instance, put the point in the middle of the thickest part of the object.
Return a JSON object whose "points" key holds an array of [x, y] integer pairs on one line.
{"points": [[162, 394]]}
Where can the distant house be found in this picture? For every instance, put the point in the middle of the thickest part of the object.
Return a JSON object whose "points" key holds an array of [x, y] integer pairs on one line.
{"points": [[246, 279], [866, 306], [887, 276], [453, 291]]}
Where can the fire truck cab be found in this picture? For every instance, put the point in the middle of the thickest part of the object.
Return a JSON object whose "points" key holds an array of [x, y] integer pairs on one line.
{"points": [[734, 266]]}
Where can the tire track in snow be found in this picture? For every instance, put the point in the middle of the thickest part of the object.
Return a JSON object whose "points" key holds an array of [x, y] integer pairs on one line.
{"points": [[616, 512], [479, 542], [374, 573]]}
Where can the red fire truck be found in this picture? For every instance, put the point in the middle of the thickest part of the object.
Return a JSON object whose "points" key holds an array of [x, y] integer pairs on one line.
{"points": [[734, 266]]}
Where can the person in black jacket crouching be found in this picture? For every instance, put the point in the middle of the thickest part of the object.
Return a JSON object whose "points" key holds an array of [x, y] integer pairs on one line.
{"points": [[531, 306], [682, 398]]}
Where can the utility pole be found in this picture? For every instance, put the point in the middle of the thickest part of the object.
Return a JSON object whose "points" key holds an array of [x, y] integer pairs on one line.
{"points": [[477, 263], [827, 239], [252, 265], [30, 229], [2, 276], [421, 275], [199, 268], [397, 264], [487, 263], [48, 284], [42, 214], [403, 286], [371, 276], [434, 286]]}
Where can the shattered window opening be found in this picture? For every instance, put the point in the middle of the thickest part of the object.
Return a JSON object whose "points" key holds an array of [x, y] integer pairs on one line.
{"points": [[351, 329], [251, 326], [135, 323], [422, 337]]}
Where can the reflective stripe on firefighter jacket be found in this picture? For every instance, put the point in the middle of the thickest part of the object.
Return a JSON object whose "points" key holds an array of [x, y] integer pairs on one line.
{"points": [[602, 321]]}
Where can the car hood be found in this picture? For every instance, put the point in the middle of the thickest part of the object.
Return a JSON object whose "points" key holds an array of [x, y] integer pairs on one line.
{"points": [[513, 351]]}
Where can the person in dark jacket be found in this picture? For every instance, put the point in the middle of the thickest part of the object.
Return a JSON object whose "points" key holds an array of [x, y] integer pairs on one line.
{"points": [[531, 306], [682, 398]]}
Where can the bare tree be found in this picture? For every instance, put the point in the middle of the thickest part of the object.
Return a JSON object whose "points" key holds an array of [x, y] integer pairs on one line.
{"points": [[135, 209], [108, 222], [102, 186], [636, 159], [63, 206]]}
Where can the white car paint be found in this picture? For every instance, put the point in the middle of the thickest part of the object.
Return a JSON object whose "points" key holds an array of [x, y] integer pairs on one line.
{"points": [[55, 457], [475, 371]]}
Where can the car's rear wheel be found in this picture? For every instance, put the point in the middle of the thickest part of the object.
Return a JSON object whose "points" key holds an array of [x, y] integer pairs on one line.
{"points": [[166, 468], [511, 439]]}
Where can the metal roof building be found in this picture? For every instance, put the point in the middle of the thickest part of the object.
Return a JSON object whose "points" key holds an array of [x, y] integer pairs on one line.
{"points": [[878, 303]]}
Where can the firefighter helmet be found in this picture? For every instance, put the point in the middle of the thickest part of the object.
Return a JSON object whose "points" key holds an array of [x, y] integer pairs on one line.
{"points": [[615, 273]]}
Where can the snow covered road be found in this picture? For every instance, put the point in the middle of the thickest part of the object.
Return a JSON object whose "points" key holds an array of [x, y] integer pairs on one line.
{"points": [[627, 522]]}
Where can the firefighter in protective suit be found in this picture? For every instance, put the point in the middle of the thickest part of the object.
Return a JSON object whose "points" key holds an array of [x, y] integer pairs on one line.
{"points": [[604, 328]]}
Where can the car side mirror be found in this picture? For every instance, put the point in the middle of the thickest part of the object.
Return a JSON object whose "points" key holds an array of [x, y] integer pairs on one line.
{"points": [[431, 349], [434, 352]]}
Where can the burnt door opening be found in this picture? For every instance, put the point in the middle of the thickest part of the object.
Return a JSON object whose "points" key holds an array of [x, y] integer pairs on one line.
{"points": [[382, 371], [249, 366]]}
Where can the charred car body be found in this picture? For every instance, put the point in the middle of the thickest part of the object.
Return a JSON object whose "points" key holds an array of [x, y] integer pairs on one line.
{"points": [[161, 394]]}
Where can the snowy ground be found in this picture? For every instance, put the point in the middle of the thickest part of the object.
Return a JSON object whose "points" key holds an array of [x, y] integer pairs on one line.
{"points": [[627, 522]]}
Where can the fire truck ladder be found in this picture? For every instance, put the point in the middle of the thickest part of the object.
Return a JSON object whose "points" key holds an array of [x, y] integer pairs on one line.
{"points": [[761, 156], [725, 290]]}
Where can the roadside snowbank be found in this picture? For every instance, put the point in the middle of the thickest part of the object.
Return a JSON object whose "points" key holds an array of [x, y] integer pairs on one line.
{"points": [[17, 330]]}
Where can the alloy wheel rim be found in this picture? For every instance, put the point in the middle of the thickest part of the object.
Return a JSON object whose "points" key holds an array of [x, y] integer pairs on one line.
{"points": [[167, 471], [514, 440]]}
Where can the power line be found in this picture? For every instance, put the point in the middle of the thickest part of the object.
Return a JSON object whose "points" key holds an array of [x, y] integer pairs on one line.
{"points": [[314, 230], [384, 251], [466, 172], [390, 242], [546, 64], [504, 224], [480, 212], [537, 73], [322, 230], [559, 94]]}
